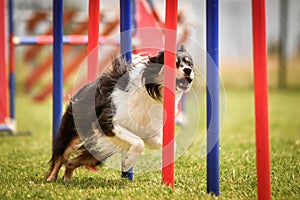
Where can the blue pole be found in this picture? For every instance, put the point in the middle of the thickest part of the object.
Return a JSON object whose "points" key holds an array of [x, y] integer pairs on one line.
{"points": [[125, 28], [212, 97], [126, 45], [57, 64], [11, 62], [133, 16]]}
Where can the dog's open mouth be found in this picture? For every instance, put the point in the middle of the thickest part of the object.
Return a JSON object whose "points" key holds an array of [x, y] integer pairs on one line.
{"points": [[184, 83]]}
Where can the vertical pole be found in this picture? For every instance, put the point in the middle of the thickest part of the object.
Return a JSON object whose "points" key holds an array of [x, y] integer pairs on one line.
{"points": [[3, 68], [93, 38], [261, 100], [11, 62], [125, 28], [57, 64], [169, 93], [212, 96], [126, 45], [283, 33]]}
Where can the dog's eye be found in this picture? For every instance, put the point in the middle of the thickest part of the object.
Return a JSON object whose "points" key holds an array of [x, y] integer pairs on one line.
{"points": [[188, 61]]}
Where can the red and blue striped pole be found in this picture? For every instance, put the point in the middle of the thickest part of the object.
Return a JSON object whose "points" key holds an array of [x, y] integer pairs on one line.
{"points": [[126, 45], [67, 39], [261, 99], [212, 95], [57, 64], [11, 62], [3, 67], [169, 93]]}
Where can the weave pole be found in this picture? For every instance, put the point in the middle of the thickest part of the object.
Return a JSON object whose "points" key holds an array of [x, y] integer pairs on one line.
{"points": [[11, 62], [261, 100], [169, 93], [125, 28], [126, 46], [93, 38], [212, 95], [57, 65], [3, 67]]}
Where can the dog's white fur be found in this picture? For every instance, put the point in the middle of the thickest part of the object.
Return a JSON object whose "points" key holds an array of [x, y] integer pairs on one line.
{"points": [[138, 120]]}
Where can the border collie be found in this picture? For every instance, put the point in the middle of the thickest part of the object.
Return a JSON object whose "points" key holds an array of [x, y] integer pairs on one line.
{"points": [[120, 112]]}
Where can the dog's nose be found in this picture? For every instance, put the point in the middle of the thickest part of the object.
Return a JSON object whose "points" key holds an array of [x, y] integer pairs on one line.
{"points": [[187, 71]]}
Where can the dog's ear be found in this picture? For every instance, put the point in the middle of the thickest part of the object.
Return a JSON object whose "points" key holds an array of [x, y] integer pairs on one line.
{"points": [[182, 48], [159, 58]]}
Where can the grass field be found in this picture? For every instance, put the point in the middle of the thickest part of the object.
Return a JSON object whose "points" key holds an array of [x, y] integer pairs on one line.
{"points": [[23, 161]]}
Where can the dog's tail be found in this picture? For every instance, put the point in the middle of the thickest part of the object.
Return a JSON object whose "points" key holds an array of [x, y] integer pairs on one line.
{"points": [[63, 143]]}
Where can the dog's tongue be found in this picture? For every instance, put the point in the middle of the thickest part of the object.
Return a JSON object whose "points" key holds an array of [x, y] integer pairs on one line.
{"points": [[91, 168]]}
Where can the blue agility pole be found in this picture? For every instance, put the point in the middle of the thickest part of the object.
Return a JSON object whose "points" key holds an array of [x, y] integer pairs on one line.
{"points": [[125, 28], [57, 64], [126, 45], [11, 62], [212, 96]]}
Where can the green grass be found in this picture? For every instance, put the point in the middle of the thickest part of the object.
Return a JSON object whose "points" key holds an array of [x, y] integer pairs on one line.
{"points": [[23, 160]]}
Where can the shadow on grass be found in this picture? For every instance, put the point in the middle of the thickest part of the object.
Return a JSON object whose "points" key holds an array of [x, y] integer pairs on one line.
{"points": [[289, 88], [9, 133], [91, 183]]}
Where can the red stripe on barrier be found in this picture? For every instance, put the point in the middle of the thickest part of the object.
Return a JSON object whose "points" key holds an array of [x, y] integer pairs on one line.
{"points": [[44, 39], [77, 39]]}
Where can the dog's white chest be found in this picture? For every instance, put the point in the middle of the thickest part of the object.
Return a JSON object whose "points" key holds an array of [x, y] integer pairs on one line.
{"points": [[138, 112]]}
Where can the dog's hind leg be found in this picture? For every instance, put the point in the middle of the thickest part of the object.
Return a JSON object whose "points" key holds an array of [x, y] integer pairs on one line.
{"points": [[56, 165], [84, 159], [59, 160], [63, 144], [132, 146]]}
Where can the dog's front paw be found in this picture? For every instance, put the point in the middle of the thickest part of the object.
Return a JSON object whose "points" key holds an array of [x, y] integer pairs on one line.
{"points": [[128, 161]]}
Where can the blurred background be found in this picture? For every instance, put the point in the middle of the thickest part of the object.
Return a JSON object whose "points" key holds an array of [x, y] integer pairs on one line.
{"points": [[33, 17]]}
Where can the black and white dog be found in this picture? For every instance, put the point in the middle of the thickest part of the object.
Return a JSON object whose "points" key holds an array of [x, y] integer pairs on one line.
{"points": [[120, 112]]}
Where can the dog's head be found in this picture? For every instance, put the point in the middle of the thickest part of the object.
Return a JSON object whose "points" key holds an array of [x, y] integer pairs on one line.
{"points": [[184, 73], [184, 70]]}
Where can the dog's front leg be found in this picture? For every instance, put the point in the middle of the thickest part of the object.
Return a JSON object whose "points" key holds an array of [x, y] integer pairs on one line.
{"points": [[154, 142], [132, 146]]}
